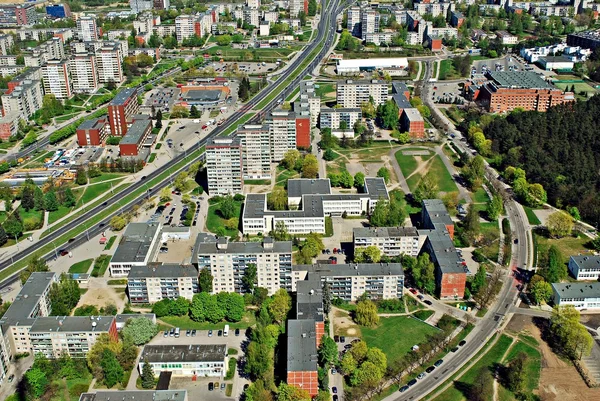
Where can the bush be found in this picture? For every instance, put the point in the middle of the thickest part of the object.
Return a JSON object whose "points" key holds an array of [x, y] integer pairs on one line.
{"points": [[231, 369], [78, 389]]}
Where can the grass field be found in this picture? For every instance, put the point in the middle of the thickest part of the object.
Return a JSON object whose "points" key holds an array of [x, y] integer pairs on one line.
{"points": [[110, 243], [185, 323], [34, 217], [412, 332], [248, 55], [100, 265], [94, 191], [58, 214], [491, 231], [214, 221], [447, 70], [579, 87], [81, 267], [257, 182], [409, 164], [533, 368], [435, 69], [531, 217], [323, 89], [480, 196], [567, 246], [283, 175]]}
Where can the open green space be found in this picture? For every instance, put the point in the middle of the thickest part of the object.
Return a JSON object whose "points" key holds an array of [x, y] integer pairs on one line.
{"points": [[410, 164], [579, 87], [480, 196], [435, 69], [531, 217], [58, 214], [447, 70], [3, 216], [405, 331], [94, 191], [81, 267], [226, 52], [257, 182], [283, 175], [185, 323], [32, 218], [110, 243], [491, 231], [533, 368], [322, 89], [152, 157], [71, 389], [214, 221], [100, 265], [105, 177], [567, 245]]}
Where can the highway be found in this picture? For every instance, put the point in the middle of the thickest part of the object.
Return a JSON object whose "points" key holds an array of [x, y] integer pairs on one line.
{"points": [[503, 306], [325, 36]]}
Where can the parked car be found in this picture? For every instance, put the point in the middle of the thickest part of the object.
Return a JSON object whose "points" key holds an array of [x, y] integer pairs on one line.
{"points": [[421, 297], [463, 342], [438, 362], [210, 333], [404, 388], [430, 369], [194, 333], [246, 386], [336, 339], [211, 386], [428, 302], [220, 333], [342, 339], [334, 389], [411, 383], [222, 386], [335, 397], [166, 333], [11, 378], [421, 375], [188, 333], [413, 291], [237, 332]]}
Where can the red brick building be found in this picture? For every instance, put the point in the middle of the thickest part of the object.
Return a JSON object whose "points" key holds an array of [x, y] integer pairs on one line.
{"points": [[302, 355], [412, 122], [120, 109], [92, 132], [133, 141], [435, 43]]}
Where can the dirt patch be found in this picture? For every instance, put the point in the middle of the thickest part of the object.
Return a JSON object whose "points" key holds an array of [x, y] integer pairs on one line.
{"points": [[343, 324], [102, 296]]}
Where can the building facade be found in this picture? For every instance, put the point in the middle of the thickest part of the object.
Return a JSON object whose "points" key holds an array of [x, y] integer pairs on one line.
{"points": [[57, 80], [339, 118], [121, 109], [585, 267], [137, 247], [84, 74], [134, 140], [9, 125], [25, 99], [391, 241], [224, 166], [352, 94], [109, 63], [580, 295], [93, 132], [87, 30], [186, 360], [155, 282], [255, 148]]}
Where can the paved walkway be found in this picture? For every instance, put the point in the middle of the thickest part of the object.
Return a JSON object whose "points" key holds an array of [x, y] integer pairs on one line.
{"points": [[398, 171]]}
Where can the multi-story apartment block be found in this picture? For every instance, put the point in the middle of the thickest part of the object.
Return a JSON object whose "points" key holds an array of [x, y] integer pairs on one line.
{"points": [[12, 70], [186, 360], [109, 58], [282, 129], [135, 139], [224, 166], [309, 97], [121, 109], [309, 202], [8, 61], [186, 27], [251, 16], [586, 40], [84, 74], [302, 355], [9, 125], [255, 151], [93, 132], [137, 395], [162, 4], [298, 5], [432, 8], [579, 295], [6, 43], [585, 267], [26, 98], [87, 30], [138, 246], [339, 118], [352, 94], [18, 14], [391, 241], [69, 335], [4, 357], [228, 261], [57, 80], [155, 282], [369, 22], [253, 3], [353, 15], [138, 6]]}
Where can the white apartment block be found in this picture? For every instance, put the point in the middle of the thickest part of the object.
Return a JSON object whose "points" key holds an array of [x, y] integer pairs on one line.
{"points": [[119, 33], [206, 360], [8, 61], [253, 3], [296, 6], [57, 80], [271, 16], [137, 247], [434, 9], [585, 267], [379, 38], [12, 70], [224, 166], [108, 63], [228, 261], [138, 6], [353, 18], [449, 32], [579, 295], [282, 129], [4, 356], [352, 94], [155, 282], [309, 97], [251, 16], [87, 30], [255, 151], [369, 22], [391, 241], [333, 118], [6, 42], [143, 24], [25, 99], [84, 74], [185, 27]]}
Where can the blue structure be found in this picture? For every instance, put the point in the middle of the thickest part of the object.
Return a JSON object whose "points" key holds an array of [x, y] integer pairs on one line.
{"points": [[58, 10]]}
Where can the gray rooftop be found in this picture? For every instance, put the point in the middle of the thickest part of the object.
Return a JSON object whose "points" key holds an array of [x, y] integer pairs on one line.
{"points": [[23, 307], [384, 232], [519, 80], [325, 110], [437, 212], [309, 299], [577, 290], [207, 244], [136, 132], [301, 346], [203, 95], [413, 114], [447, 258], [135, 395], [307, 186], [224, 141], [69, 324], [157, 270], [136, 243], [356, 269], [375, 187], [184, 353], [401, 101], [94, 123], [587, 261], [399, 87], [122, 96]]}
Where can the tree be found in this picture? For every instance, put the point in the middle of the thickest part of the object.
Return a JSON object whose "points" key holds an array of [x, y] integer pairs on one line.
{"points": [[560, 224], [557, 269], [426, 189], [474, 172], [328, 351], [179, 307], [147, 376], [197, 311], [141, 330], [280, 305], [384, 173], [359, 181], [280, 233], [471, 225], [495, 207], [287, 392], [290, 158], [158, 123], [366, 313], [113, 372], [213, 312], [369, 254], [312, 8], [80, 176], [50, 201], [310, 167], [541, 292], [259, 359], [249, 279], [367, 375], [244, 89], [38, 199], [165, 194], [205, 280], [27, 197], [180, 112], [64, 296], [13, 226], [515, 373], [377, 358], [569, 335], [387, 115], [483, 386], [117, 223], [36, 381], [423, 273], [68, 199], [227, 207], [35, 264], [3, 236], [326, 298], [479, 279], [234, 307], [277, 199], [194, 112], [368, 110], [348, 363]]}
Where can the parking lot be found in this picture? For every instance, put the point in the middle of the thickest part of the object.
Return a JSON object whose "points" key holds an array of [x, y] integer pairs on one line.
{"points": [[248, 68], [161, 98], [446, 90]]}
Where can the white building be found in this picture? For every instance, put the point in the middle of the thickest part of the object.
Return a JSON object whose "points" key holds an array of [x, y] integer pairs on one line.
{"points": [[353, 15], [282, 131], [137, 6], [556, 63], [25, 99], [369, 64], [141, 395], [109, 63], [228, 261], [352, 94], [224, 166], [57, 80], [333, 118], [185, 360], [251, 16], [84, 74], [6, 43], [138, 246], [185, 27], [310, 100], [369, 22], [585, 267], [155, 282], [87, 30], [255, 151], [391, 241], [264, 28], [506, 38], [253, 3], [580, 295], [296, 6]]}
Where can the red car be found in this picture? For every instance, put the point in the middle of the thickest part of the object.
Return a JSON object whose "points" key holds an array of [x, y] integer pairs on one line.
{"points": [[335, 250], [413, 291], [204, 126]]}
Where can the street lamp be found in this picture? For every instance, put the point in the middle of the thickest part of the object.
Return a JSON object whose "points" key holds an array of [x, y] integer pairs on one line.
{"points": [[55, 252]]}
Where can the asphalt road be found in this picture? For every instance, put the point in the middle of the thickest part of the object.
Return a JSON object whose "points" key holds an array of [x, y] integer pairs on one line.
{"points": [[326, 34], [495, 317]]}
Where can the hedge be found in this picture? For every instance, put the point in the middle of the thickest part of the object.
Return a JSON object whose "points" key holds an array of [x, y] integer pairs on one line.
{"points": [[71, 129]]}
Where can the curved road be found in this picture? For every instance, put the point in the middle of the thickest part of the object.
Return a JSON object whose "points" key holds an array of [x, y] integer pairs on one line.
{"points": [[325, 36]]}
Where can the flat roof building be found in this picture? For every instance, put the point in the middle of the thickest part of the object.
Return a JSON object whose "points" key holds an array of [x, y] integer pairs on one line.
{"points": [[302, 355], [391, 241], [224, 166], [137, 247], [136, 395], [135, 138], [155, 282], [120, 110], [186, 360], [580, 295], [353, 93], [585, 267], [93, 132], [369, 64]]}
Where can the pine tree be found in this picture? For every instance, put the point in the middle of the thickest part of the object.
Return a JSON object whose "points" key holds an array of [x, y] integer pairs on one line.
{"points": [[158, 119], [147, 376], [38, 199]]}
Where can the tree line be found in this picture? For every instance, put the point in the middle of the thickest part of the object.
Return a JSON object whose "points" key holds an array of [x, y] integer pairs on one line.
{"points": [[204, 307]]}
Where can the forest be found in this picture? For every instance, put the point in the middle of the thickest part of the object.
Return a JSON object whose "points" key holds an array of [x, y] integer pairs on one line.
{"points": [[559, 149]]}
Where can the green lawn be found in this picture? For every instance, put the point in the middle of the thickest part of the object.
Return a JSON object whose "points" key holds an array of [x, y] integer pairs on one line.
{"points": [[110, 243], [405, 331], [567, 245], [70, 390], [3, 216], [435, 69], [152, 157], [185, 323], [491, 231], [214, 220], [409, 164], [100, 265], [58, 214], [81, 267], [257, 182], [480, 196], [95, 191], [32, 218], [283, 175], [322, 89], [105, 177], [447, 70], [531, 217], [533, 366], [579, 87]]}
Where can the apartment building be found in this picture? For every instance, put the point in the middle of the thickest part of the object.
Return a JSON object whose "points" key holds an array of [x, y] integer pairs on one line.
{"points": [[93, 132], [155, 282], [18, 15], [352, 94], [135, 139], [121, 109], [137, 395], [353, 18], [8, 60], [109, 59], [162, 4], [412, 121], [26, 98], [137, 247], [302, 355], [224, 166], [585, 267], [4, 357], [6, 43], [87, 30], [309, 202], [84, 74], [369, 22], [282, 130], [57, 80], [138, 6], [435, 216], [255, 145], [253, 3], [391, 241], [298, 5], [506, 38], [586, 40], [251, 16], [309, 99], [69, 335], [186, 27], [228, 261], [9, 125], [580, 295], [339, 118], [186, 360]]}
